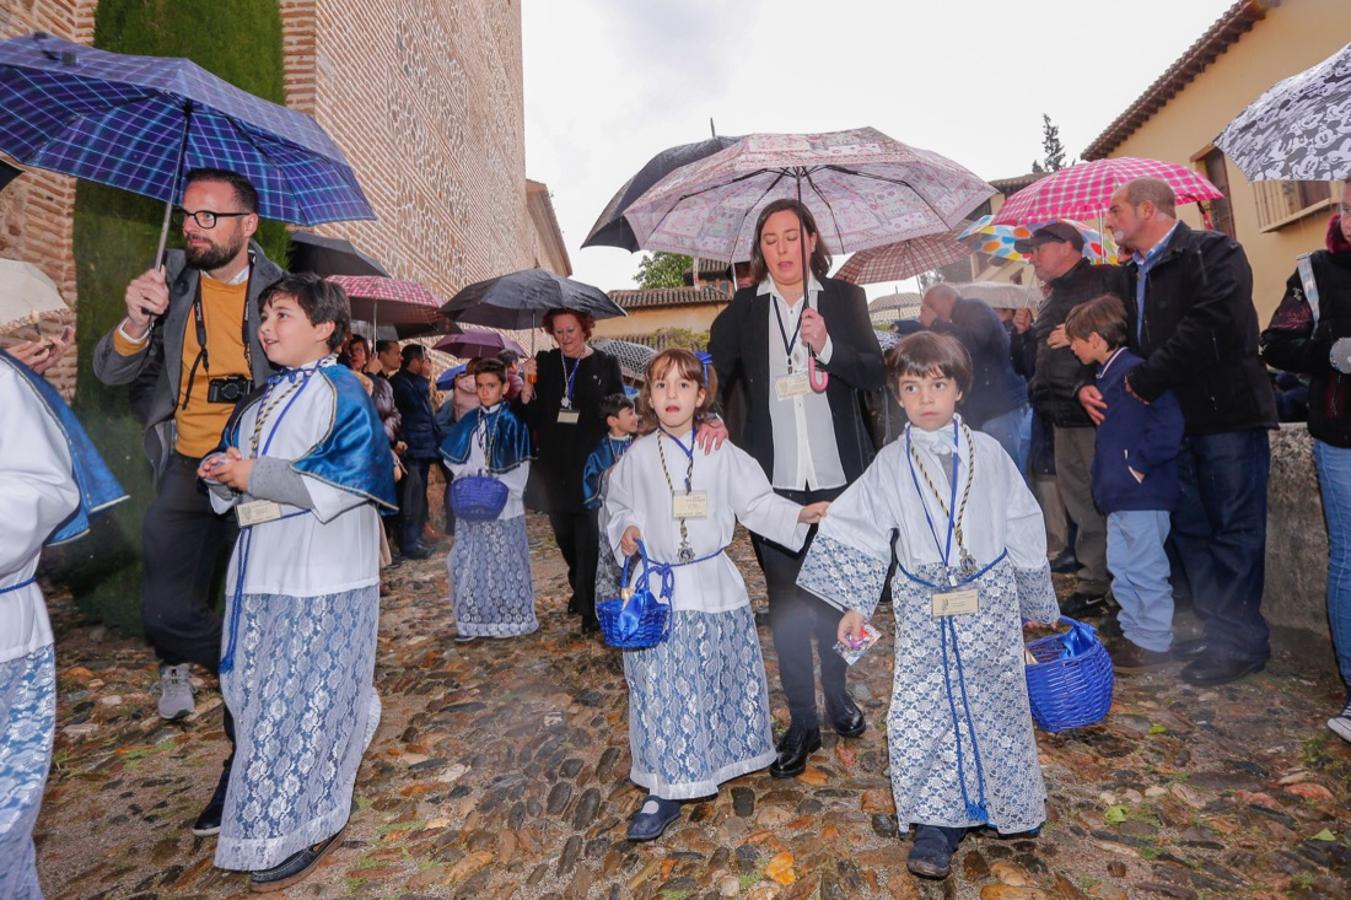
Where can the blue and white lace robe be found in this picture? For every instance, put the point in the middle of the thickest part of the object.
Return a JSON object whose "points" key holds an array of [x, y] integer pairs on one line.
{"points": [[929, 719]]}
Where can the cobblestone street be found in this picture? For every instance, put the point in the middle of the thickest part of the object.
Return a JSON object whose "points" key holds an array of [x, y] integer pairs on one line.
{"points": [[499, 770]]}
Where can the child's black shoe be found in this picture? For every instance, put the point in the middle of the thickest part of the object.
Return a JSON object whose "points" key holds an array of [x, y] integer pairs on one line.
{"points": [[931, 853]]}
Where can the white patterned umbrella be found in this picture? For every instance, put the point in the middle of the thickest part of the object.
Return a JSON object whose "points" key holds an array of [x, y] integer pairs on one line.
{"points": [[864, 189], [26, 295], [1299, 130]]}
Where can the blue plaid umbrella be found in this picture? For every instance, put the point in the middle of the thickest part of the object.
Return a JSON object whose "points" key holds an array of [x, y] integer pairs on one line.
{"points": [[140, 122]]}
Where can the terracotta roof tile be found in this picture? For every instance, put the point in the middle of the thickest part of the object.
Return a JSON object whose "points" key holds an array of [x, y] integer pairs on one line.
{"points": [[681, 296]]}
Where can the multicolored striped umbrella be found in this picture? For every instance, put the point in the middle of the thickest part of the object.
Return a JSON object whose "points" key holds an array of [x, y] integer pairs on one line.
{"points": [[1084, 191], [894, 262]]}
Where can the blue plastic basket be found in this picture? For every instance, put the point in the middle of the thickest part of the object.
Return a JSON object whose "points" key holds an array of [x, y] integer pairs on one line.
{"points": [[637, 619], [1071, 684], [478, 498]]}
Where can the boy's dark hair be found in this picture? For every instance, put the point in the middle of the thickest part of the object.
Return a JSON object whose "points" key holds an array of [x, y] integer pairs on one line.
{"points": [[927, 354], [323, 301], [1105, 316], [411, 352], [489, 365], [509, 358], [243, 188], [611, 404]]}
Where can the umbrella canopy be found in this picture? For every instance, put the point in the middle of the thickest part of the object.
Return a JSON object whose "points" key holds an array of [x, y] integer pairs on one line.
{"points": [[446, 380], [633, 358], [330, 256], [407, 305], [1299, 130], [521, 299], [477, 344], [8, 173], [1085, 190], [999, 240], [864, 189], [26, 294], [612, 229], [139, 123], [893, 262], [1000, 294]]}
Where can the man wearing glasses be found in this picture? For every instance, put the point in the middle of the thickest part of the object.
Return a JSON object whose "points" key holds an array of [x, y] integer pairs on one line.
{"points": [[191, 329]]}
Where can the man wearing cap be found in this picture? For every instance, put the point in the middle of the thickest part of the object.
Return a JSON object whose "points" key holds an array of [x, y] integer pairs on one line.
{"points": [[1056, 253]]}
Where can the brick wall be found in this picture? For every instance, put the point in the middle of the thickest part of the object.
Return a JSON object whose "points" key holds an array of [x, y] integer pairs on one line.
{"points": [[35, 209], [425, 98]]}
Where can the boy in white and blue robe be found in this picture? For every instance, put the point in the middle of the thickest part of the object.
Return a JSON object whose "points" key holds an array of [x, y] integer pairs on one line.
{"points": [[962, 751], [302, 608], [51, 481], [488, 567]]}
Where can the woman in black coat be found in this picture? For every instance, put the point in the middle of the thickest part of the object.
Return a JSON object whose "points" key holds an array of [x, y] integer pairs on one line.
{"points": [[560, 402]]}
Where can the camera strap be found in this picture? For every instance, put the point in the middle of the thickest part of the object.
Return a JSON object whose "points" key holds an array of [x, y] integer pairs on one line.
{"points": [[199, 327]]}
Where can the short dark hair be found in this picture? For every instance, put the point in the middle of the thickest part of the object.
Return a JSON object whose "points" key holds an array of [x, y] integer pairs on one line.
{"points": [[243, 188], [509, 357], [611, 404], [383, 346], [584, 319], [926, 353], [1105, 316], [323, 301], [489, 365], [411, 352], [820, 258]]}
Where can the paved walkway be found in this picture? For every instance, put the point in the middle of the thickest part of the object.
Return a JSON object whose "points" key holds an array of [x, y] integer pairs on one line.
{"points": [[500, 771]]}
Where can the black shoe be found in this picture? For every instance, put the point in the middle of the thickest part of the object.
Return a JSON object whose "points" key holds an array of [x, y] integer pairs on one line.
{"points": [[1189, 650], [208, 823], [762, 618], [1065, 562], [931, 853], [591, 627], [845, 716], [417, 551], [1081, 603], [573, 606], [292, 869], [652, 818], [795, 746], [1207, 671]]}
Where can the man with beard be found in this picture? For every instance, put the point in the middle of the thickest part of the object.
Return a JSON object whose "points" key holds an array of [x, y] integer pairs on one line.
{"points": [[194, 323]]}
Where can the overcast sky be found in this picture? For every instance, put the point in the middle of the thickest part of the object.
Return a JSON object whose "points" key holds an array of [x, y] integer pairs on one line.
{"points": [[608, 83]]}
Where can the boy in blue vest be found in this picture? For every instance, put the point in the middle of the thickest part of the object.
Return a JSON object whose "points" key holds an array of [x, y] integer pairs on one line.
{"points": [[1135, 484]]}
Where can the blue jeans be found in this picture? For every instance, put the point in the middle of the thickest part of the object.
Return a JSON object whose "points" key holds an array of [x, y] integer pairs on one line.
{"points": [[1220, 532], [1140, 571], [1334, 481], [1013, 430]]}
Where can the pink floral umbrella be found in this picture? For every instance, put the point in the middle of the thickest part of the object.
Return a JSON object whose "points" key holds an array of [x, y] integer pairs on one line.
{"points": [[864, 189], [1084, 191], [406, 305]]}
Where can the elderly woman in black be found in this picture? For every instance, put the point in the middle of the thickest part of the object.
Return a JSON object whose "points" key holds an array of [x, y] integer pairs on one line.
{"points": [[560, 401]]}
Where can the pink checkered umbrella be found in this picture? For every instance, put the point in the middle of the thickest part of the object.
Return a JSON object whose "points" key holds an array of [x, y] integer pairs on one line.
{"points": [[1085, 190], [406, 305], [893, 262]]}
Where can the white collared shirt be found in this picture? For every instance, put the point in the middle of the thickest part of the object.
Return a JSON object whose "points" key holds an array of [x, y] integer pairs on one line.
{"points": [[805, 451]]}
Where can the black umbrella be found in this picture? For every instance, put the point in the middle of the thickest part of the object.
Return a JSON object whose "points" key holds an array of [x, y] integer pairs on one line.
{"points": [[521, 299], [330, 256], [611, 229], [8, 173]]}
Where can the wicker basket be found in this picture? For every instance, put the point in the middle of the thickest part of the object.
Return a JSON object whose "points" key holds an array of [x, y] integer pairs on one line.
{"points": [[637, 619], [478, 498], [1071, 684]]}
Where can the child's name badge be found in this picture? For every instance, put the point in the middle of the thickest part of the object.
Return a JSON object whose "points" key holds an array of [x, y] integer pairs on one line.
{"points": [[789, 386], [692, 505], [956, 603], [255, 512], [569, 416]]}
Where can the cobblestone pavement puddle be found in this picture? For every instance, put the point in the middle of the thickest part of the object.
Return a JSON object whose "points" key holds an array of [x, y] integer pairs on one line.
{"points": [[500, 767]]}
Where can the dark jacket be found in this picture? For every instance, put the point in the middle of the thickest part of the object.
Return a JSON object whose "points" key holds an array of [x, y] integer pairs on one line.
{"points": [[1200, 334], [995, 387], [418, 428], [1057, 373], [1291, 342], [739, 343], [382, 394], [561, 448], [155, 371], [1136, 436]]}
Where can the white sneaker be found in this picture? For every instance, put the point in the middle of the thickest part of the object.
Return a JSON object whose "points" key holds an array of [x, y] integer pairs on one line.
{"points": [[1341, 724], [175, 691]]}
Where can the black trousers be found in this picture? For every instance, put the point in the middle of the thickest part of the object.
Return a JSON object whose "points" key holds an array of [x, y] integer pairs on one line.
{"points": [[796, 617], [184, 545], [413, 502], [575, 532]]}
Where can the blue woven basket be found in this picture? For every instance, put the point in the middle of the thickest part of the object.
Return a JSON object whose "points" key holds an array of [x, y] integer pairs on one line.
{"points": [[477, 498], [637, 619], [1071, 684]]}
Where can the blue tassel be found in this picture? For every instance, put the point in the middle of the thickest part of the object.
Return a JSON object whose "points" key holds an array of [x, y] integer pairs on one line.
{"points": [[977, 812]]}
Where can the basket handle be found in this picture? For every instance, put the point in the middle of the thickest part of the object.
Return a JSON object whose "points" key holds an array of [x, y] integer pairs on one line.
{"points": [[649, 569]]}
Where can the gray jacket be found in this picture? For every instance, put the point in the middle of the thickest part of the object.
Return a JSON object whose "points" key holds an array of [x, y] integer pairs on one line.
{"points": [[161, 358]]}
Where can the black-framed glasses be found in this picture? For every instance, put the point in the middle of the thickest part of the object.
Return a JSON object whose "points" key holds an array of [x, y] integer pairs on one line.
{"points": [[205, 218]]}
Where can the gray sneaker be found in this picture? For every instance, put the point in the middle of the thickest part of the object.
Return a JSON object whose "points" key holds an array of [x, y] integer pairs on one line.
{"points": [[175, 691]]}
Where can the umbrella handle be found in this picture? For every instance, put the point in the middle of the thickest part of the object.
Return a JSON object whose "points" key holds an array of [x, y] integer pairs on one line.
{"points": [[818, 384]]}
